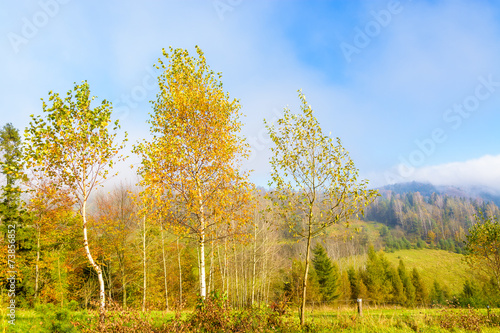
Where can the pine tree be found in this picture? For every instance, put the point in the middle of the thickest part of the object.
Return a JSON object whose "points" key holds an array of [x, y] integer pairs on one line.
{"points": [[471, 294], [14, 219], [398, 295], [354, 282], [436, 295], [409, 289], [345, 287], [420, 291], [11, 167], [328, 274], [363, 290], [377, 279]]}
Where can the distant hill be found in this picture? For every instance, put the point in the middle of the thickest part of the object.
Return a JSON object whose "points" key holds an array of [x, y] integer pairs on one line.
{"points": [[426, 189], [448, 267], [437, 215]]}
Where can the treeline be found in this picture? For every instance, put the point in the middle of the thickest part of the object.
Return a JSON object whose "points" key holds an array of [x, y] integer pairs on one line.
{"points": [[417, 221], [143, 261], [378, 282]]}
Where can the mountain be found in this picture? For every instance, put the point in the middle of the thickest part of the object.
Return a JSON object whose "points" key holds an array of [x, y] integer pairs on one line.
{"points": [[426, 189]]}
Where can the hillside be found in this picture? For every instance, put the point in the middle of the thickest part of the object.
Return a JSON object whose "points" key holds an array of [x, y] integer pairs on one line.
{"points": [[426, 189], [445, 266]]}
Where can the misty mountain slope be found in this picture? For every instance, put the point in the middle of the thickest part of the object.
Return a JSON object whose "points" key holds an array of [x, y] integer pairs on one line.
{"points": [[427, 189]]}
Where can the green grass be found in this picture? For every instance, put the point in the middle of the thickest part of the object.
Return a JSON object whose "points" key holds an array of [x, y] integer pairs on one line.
{"points": [[401, 320], [447, 267], [35, 322], [325, 320]]}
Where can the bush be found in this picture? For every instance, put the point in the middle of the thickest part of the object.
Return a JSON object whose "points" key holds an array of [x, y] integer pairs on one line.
{"points": [[214, 315], [469, 319], [73, 306], [210, 315], [55, 319], [420, 244]]}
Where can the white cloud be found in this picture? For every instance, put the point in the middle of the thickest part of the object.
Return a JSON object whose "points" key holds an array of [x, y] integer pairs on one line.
{"points": [[483, 171]]}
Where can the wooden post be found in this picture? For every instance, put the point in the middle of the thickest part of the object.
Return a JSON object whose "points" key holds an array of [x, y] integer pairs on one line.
{"points": [[360, 307]]}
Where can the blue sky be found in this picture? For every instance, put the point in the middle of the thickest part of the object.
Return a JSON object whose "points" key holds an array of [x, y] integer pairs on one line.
{"points": [[411, 87]]}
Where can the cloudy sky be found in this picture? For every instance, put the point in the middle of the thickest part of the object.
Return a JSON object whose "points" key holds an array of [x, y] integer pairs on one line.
{"points": [[411, 87]]}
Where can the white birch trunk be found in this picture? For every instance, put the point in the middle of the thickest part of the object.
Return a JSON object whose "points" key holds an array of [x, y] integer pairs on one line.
{"points": [[203, 285], [180, 273], [97, 268], [164, 265], [37, 261], [254, 262]]}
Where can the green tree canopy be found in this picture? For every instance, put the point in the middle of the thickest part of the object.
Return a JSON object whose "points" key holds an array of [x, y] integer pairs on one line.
{"points": [[73, 147], [483, 247], [327, 272], [11, 168]]}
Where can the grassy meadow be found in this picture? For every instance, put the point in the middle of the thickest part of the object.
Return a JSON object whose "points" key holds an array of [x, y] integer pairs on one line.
{"points": [[261, 320], [446, 266]]}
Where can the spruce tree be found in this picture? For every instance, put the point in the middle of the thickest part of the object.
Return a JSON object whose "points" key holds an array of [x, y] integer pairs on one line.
{"points": [[378, 279], [408, 287], [14, 219], [11, 167], [397, 293], [437, 294], [420, 291], [328, 274], [345, 287], [354, 281]]}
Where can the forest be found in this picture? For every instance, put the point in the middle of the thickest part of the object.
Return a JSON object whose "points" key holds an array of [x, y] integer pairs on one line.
{"points": [[195, 233]]}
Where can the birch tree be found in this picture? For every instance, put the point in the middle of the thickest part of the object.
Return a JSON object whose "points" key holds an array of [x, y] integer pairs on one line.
{"points": [[73, 147], [314, 178], [483, 247], [191, 164], [115, 215]]}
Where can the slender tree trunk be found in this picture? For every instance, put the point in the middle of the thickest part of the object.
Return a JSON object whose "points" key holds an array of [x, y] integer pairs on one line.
{"points": [[254, 262], [203, 286], [265, 274], [211, 272], [164, 265], [221, 271], [110, 282], [60, 281], [237, 293], [226, 268], [306, 272], [124, 286], [97, 268], [244, 298], [268, 289], [144, 264], [37, 262], [180, 272]]}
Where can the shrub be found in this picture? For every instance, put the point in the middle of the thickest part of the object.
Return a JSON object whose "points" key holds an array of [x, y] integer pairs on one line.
{"points": [[73, 306]]}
